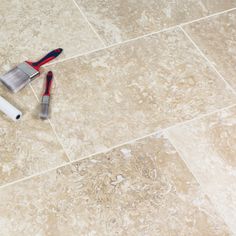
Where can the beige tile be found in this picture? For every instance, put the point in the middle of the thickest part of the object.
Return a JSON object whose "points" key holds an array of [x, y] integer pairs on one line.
{"points": [[29, 29], [112, 96], [218, 5], [208, 146], [117, 21], [28, 146], [216, 36], [139, 189]]}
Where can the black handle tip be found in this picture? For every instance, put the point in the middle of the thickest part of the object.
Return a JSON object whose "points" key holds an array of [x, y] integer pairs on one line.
{"points": [[59, 50], [49, 74]]}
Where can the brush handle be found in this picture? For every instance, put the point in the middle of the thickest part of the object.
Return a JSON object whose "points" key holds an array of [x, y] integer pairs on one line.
{"points": [[48, 83], [50, 56]]}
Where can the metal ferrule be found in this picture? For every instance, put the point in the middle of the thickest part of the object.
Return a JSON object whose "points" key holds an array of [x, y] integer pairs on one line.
{"points": [[44, 114], [28, 69], [45, 99]]}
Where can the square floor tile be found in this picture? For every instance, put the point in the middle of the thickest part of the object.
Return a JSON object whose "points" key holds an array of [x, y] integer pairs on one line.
{"points": [[28, 146], [125, 92], [121, 20], [216, 36], [29, 29], [208, 146], [138, 189]]}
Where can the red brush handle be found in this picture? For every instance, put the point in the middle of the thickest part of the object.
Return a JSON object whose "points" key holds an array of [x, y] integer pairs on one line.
{"points": [[48, 83], [50, 56]]}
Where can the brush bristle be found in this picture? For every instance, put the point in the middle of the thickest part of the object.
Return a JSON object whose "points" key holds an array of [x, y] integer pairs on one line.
{"points": [[15, 79], [44, 111]]}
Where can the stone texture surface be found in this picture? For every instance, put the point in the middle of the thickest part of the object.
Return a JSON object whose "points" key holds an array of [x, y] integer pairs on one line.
{"points": [[28, 146], [208, 146], [114, 95], [216, 36], [30, 29], [138, 189], [120, 20], [104, 99]]}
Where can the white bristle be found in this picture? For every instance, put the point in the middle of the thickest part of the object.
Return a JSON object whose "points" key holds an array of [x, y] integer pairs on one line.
{"points": [[19, 77], [44, 111], [15, 79]]}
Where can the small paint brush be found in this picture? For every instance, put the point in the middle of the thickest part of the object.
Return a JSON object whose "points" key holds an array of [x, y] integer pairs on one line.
{"points": [[44, 114], [24, 73]]}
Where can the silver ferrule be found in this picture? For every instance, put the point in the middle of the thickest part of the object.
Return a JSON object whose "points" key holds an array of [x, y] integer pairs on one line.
{"points": [[45, 99], [44, 114], [28, 69]]}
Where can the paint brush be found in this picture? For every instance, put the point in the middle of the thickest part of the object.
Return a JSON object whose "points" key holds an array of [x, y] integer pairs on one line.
{"points": [[44, 114], [24, 73]]}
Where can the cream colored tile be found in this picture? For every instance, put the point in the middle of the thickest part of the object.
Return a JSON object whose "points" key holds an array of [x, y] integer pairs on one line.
{"points": [[29, 29], [208, 146], [139, 189], [28, 146], [218, 5], [117, 21], [112, 96], [216, 36]]}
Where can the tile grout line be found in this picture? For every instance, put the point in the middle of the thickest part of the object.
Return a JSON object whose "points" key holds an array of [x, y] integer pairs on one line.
{"points": [[219, 214], [90, 25], [115, 146], [58, 139], [34, 92], [111, 46], [208, 16], [138, 37], [53, 128], [207, 60], [199, 117]]}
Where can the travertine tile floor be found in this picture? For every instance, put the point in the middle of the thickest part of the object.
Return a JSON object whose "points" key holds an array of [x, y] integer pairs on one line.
{"points": [[142, 138]]}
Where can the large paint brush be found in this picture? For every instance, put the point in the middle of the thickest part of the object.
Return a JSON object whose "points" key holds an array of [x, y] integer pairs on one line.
{"points": [[24, 73]]}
